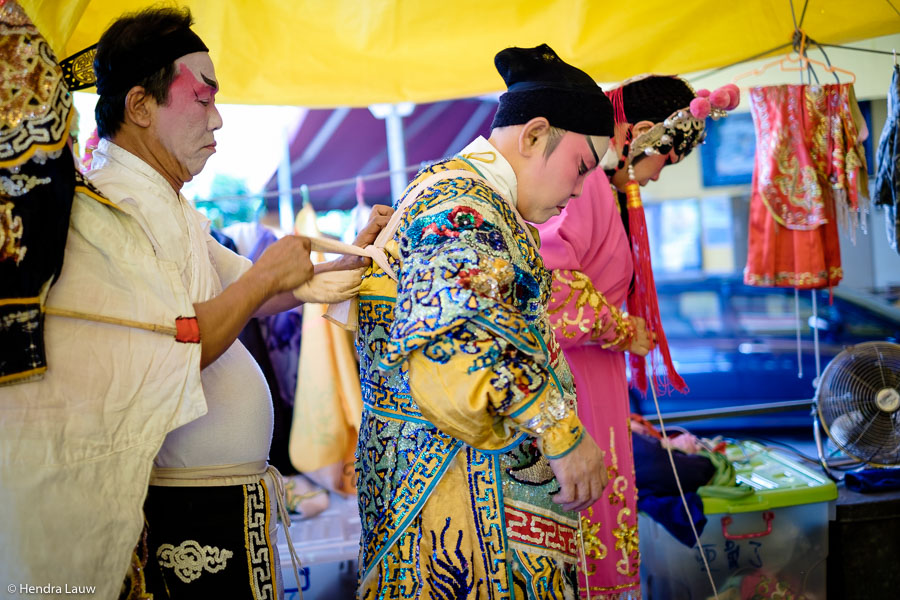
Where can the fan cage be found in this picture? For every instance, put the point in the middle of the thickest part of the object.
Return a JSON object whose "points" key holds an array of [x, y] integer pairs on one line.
{"points": [[846, 402]]}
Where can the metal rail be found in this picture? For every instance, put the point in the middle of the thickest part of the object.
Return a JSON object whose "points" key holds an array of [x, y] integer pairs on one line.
{"points": [[732, 411]]}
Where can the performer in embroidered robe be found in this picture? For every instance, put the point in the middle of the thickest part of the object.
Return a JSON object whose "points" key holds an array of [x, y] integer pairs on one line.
{"points": [[590, 257], [472, 462]]}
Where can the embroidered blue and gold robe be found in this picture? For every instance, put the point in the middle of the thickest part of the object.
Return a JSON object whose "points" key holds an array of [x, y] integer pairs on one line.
{"points": [[466, 394]]}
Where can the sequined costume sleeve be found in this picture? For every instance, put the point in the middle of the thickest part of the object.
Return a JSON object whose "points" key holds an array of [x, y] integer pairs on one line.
{"points": [[581, 314], [582, 248], [478, 366]]}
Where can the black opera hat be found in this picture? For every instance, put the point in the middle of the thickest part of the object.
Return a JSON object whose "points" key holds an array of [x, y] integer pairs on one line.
{"points": [[540, 84]]}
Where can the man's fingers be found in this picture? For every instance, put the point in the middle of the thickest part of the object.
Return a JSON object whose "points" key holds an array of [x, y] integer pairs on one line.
{"points": [[375, 225], [356, 262], [565, 495], [302, 240], [380, 217], [583, 500], [380, 214], [591, 492], [574, 497]]}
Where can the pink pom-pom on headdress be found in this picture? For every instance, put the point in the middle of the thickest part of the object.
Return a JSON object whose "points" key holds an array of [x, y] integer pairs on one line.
{"points": [[704, 93], [720, 98], [700, 107], [734, 95]]}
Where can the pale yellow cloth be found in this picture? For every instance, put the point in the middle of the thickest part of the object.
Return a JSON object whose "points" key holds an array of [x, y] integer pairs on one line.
{"points": [[332, 286], [328, 402]]}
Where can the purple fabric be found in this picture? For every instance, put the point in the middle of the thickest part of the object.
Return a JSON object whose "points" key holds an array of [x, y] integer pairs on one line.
{"points": [[358, 146]]}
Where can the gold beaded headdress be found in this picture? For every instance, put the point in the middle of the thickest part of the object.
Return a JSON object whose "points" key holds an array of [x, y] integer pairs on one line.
{"points": [[687, 124]]}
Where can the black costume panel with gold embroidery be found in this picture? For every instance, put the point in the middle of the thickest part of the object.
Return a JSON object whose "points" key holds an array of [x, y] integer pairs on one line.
{"points": [[37, 182]]}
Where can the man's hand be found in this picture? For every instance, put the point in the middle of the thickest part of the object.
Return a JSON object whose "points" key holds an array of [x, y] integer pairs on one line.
{"points": [[581, 475], [643, 340], [284, 265], [378, 218]]}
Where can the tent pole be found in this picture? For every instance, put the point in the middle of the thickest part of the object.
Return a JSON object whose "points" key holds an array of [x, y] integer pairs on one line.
{"points": [[393, 122], [285, 199]]}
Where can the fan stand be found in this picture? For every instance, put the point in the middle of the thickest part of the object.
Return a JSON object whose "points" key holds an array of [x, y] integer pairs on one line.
{"points": [[820, 449]]}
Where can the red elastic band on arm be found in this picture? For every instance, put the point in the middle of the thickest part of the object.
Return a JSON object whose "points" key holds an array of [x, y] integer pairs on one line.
{"points": [[187, 330]]}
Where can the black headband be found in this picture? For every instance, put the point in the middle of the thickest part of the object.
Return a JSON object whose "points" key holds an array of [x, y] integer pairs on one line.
{"points": [[127, 69], [593, 150], [564, 86]]}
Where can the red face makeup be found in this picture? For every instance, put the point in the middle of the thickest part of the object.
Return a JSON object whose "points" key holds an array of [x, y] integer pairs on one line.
{"points": [[549, 184], [187, 123]]}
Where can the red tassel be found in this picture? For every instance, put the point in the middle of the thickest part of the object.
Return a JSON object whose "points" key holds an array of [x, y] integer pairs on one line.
{"points": [[622, 135], [642, 301]]}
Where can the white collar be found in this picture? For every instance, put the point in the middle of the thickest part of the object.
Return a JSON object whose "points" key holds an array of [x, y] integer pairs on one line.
{"points": [[492, 166], [141, 191], [109, 154]]}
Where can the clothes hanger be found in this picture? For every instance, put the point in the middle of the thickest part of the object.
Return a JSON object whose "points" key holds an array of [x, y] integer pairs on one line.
{"points": [[797, 61], [360, 191], [304, 194]]}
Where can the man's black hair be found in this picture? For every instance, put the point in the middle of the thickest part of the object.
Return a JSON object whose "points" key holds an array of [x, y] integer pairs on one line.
{"points": [[120, 39]]}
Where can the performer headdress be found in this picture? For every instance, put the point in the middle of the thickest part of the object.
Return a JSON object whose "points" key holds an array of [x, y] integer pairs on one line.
{"points": [[685, 127]]}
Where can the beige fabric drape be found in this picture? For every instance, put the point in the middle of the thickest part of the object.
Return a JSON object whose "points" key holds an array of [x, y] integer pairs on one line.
{"points": [[327, 402]]}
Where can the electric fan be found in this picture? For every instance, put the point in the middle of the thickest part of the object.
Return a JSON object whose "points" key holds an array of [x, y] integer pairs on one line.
{"points": [[858, 404]]}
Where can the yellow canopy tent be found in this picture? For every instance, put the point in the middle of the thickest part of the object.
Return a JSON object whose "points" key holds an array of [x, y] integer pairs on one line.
{"points": [[319, 53]]}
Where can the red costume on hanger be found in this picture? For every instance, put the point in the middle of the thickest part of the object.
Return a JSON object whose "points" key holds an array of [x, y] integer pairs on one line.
{"points": [[810, 169]]}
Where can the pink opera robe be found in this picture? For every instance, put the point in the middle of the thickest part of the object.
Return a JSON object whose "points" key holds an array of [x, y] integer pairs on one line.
{"points": [[587, 250]]}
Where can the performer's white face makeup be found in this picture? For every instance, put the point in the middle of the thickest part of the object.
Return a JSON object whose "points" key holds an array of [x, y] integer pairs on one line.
{"points": [[186, 124], [551, 182]]}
